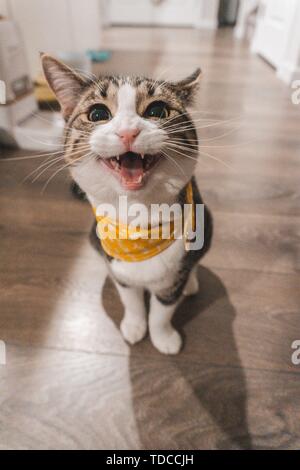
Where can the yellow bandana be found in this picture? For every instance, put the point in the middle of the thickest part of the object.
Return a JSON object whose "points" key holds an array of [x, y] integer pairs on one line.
{"points": [[135, 244]]}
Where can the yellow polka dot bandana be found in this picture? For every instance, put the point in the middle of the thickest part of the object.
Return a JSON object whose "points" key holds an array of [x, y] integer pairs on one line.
{"points": [[136, 244]]}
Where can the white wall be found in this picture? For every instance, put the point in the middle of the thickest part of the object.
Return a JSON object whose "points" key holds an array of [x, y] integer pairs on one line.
{"points": [[3, 8], [246, 7], [289, 66], [207, 14], [197, 13], [277, 36], [56, 26]]}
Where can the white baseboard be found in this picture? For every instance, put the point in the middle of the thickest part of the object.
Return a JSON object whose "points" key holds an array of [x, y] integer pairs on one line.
{"points": [[239, 32], [288, 72], [207, 24]]}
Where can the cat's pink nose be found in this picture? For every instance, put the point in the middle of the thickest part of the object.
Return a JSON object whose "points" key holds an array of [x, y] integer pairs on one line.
{"points": [[128, 136]]}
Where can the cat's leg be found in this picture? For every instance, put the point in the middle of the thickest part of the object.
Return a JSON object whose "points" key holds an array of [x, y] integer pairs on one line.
{"points": [[192, 285], [163, 335], [134, 323]]}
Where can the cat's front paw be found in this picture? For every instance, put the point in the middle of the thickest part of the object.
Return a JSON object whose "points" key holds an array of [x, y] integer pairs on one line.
{"points": [[133, 331], [167, 340]]}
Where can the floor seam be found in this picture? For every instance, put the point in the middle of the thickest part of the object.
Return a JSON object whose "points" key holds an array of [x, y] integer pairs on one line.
{"points": [[149, 358]]}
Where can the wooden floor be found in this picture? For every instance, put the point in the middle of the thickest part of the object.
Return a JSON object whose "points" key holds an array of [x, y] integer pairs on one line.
{"points": [[70, 381]]}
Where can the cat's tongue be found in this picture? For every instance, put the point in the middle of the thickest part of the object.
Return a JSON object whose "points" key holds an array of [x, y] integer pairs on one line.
{"points": [[131, 170]]}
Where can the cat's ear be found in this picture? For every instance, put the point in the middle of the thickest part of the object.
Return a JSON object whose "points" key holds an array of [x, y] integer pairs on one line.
{"points": [[187, 88], [66, 84]]}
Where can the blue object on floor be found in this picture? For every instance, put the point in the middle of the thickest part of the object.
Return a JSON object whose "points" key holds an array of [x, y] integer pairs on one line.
{"points": [[98, 56]]}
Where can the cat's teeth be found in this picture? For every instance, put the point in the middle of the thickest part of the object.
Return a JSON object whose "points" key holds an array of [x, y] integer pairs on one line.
{"points": [[140, 179], [142, 155], [118, 157], [114, 162]]}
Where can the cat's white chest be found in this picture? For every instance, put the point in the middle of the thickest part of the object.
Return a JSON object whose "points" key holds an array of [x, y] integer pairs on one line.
{"points": [[156, 273]]}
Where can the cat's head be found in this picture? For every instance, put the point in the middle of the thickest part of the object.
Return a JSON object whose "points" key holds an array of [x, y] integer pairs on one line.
{"points": [[125, 135]]}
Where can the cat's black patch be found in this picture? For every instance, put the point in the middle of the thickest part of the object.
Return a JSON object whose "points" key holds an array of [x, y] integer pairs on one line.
{"points": [[150, 88], [191, 258], [104, 88], [114, 80], [96, 243], [77, 191]]}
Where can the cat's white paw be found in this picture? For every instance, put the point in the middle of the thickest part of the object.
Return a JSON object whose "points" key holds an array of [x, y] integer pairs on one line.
{"points": [[133, 331], [192, 286], [167, 341]]}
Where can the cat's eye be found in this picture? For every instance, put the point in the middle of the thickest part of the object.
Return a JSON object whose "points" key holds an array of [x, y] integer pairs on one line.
{"points": [[99, 112], [157, 110]]}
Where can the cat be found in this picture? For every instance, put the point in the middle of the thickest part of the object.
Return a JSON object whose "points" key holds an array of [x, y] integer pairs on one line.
{"points": [[133, 137]]}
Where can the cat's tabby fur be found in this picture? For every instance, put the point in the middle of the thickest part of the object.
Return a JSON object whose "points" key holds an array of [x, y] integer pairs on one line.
{"points": [[123, 123]]}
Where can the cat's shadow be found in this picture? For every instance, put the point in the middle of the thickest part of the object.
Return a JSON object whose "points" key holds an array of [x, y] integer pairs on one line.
{"points": [[197, 399]]}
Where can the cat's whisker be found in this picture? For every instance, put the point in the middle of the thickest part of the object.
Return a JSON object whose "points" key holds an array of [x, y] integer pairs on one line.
{"points": [[180, 128], [49, 159], [57, 157], [27, 157], [188, 114], [220, 136], [47, 144], [183, 148], [188, 119], [74, 147], [229, 146], [62, 168], [174, 162], [192, 122], [226, 146], [180, 153], [156, 81], [49, 164], [81, 132], [216, 159], [202, 153], [93, 79], [66, 127], [203, 114], [162, 83], [41, 155], [188, 128], [184, 144], [15, 159]]}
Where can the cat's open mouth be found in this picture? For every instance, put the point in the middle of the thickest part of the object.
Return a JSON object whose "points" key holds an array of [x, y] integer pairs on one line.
{"points": [[131, 168]]}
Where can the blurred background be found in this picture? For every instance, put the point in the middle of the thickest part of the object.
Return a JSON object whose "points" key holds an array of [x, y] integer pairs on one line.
{"points": [[129, 36], [70, 380], [65, 26]]}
